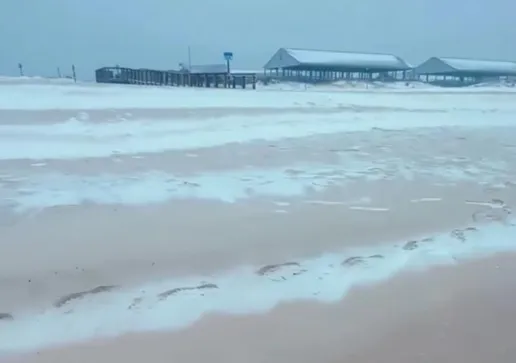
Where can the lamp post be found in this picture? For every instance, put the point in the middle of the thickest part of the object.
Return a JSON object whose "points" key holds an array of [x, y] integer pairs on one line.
{"points": [[228, 56]]}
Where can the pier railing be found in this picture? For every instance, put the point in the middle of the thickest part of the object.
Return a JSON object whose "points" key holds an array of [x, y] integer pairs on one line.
{"points": [[142, 76]]}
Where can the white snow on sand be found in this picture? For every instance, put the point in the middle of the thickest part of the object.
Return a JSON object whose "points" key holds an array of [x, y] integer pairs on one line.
{"points": [[441, 137], [56, 95], [75, 139], [173, 304], [51, 190]]}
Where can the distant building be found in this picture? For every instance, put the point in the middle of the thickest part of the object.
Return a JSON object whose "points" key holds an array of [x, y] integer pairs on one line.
{"points": [[324, 65], [439, 69]]}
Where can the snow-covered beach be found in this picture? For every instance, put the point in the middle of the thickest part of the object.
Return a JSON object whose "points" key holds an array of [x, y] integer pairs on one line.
{"points": [[144, 222]]}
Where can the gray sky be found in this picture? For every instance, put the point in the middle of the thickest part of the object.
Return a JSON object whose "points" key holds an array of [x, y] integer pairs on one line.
{"points": [[44, 34]]}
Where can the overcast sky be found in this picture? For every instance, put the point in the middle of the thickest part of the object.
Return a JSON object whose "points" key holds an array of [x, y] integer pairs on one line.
{"points": [[45, 34]]}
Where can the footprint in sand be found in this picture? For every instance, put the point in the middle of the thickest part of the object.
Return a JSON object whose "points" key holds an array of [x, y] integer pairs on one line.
{"points": [[191, 184], [353, 261], [411, 245], [414, 244], [277, 272], [136, 301], [458, 234], [359, 260], [6, 316], [164, 295], [274, 268], [461, 234], [493, 215], [79, 295]]}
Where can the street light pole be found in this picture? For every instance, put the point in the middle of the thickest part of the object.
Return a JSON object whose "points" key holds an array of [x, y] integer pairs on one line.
{"points": [[189, 59], [228, 56]]}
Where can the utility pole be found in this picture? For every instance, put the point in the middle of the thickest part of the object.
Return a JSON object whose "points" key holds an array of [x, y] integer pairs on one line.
{"points": [[20, 67], [189, 59]]}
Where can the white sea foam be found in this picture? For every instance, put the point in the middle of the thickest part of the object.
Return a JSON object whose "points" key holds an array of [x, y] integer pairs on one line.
{"points": [[326, 279]]}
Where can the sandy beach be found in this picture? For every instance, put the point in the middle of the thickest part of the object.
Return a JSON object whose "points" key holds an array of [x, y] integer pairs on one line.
{"points": [[328, 225], [460, 313]]}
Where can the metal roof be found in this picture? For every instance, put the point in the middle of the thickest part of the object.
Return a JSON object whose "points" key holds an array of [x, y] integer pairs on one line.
{"points": [[337, 60], [445, 65]]}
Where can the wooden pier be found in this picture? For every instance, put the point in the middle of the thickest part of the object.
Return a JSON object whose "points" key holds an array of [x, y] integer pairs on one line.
{"points": [[196, 78]]}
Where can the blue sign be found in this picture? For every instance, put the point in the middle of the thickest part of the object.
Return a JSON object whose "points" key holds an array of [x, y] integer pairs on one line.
{"points": [[228, 56]]}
